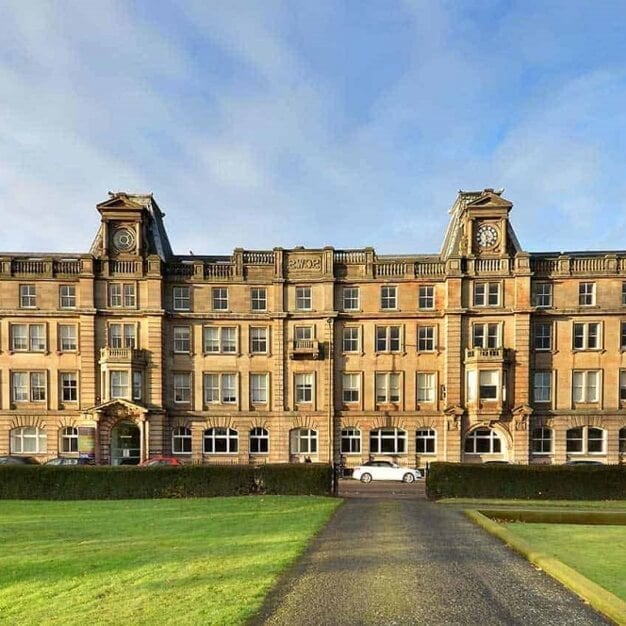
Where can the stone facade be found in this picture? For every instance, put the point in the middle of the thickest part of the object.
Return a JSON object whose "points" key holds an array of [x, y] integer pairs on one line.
{"points": [[481, 352]]}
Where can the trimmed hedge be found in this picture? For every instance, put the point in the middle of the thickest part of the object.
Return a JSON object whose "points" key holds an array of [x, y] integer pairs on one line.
{"points": [[526, 482], [190, 481]]}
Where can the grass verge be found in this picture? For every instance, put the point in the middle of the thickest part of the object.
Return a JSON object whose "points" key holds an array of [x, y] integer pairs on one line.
{"points": [[199, 561], [598, 597], [544, 504]]}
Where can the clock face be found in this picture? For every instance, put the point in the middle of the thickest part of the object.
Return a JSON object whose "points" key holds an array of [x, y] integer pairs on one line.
{"points": [[486, 236], [123, 239]]}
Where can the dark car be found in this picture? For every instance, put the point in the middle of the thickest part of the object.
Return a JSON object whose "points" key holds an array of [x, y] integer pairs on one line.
{"points": [[18, 460], [70, 460], [160, 460]]}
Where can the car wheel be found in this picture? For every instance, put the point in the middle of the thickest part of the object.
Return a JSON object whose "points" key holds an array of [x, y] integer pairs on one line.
{"points": [[366, 478], [408, 478]]}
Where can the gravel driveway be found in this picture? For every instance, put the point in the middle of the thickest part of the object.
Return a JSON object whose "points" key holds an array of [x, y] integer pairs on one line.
{"points": [[387, 561]]}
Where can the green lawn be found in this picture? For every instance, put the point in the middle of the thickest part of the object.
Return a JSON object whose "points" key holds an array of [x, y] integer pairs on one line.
{"points": [[525, 504], [197, 561], [597, 552]]}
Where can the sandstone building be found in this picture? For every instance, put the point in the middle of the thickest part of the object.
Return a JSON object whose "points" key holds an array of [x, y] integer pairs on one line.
{"points": [[481, 352]]}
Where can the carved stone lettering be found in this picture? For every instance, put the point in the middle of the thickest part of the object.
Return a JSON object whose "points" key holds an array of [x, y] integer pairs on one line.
{"points": [[304, 263]]}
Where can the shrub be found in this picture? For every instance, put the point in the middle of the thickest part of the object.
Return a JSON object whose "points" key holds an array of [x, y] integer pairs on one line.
{"points": [[115, 483], [526, 482]]}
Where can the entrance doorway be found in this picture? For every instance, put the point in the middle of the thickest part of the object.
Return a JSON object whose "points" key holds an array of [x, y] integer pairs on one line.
{"points": [[125, 447]]}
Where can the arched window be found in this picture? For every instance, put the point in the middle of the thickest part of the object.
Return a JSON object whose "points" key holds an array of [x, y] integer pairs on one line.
{"points": [[259, 440], [303, 441], [586, 440], [425, 441], [622, 440], [541, 441], [181, 440], [388, 441], [68, 439], [350, 441], [483, 441], [221, 441], [28, 439]]}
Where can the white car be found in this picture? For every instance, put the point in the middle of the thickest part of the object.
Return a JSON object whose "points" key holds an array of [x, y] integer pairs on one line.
{"points": [[385, 470]]}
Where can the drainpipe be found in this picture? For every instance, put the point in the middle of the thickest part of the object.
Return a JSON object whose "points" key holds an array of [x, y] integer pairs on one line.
{"points": [[331, 392]]}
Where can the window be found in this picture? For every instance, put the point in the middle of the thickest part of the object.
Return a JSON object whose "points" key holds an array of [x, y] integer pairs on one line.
{"points": [[28, 297], [68, 439], [426, 338], [585, 440], [119, 384], [181, 440], [303, 333], [182, 387], [182, 339], [28, 439], [304, 388], [258, 388], [488, 384], [388, 298], [541, 441], [28, 386], [426, 297], [221, 441], [220, 298], [622, 385], [258, 340], [387, 387], [181, 298], [350, 441], [351, 387], [303, 441], [28, 337], [220, 339], [543, 294], [624, 293], [122, 295], [486, 335], [303, 298], [259, 440], [543, 336], [69, 387], [483, 441], [137, 386], [258, 299], [622, 440], [587, 336], [486, 294], [351, 339], [67, 297], [622, 342], [586, 386], [425, 387], [67, 338], [542, 386], [586, 294], [425, 441], [388, 441], [351, 300], [122, 335], [220, 388], [388, 339]]}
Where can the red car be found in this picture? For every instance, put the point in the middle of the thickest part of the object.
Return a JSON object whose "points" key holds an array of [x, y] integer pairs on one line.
{"points": [[160, 460]]}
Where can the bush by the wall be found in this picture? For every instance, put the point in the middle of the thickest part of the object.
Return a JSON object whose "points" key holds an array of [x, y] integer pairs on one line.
{"points": [[112, 483], [526, 482]]}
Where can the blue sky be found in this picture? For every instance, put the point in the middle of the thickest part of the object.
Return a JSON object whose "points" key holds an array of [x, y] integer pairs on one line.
{"points": [[259, 124]]}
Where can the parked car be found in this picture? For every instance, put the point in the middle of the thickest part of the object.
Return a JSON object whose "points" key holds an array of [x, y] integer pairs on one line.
{"points": [[67, 460], [160, 460], [385, 470], [18, 460], [584, 462]]}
